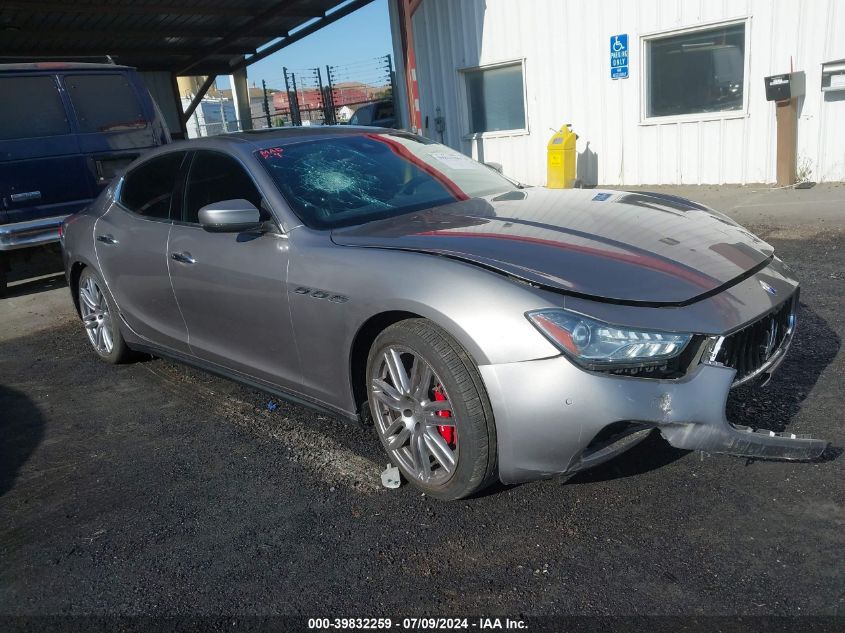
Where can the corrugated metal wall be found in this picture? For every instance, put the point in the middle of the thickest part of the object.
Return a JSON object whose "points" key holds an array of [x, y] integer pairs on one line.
{"points": [[567, 74]]}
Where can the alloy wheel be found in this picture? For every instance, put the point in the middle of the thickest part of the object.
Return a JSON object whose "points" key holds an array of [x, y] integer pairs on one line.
{"points": [[95, 316], [414, 416]]}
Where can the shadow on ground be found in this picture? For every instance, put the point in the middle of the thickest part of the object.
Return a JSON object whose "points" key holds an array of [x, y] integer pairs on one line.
{"points": [[21, 431], [34, 286], [774, 406]]}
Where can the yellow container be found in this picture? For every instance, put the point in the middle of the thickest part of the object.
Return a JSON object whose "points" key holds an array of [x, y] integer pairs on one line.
{"points": [[561, 158]]}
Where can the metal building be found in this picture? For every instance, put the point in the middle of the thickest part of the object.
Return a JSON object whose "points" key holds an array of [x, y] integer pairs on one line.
{"points": [[688, 106]]}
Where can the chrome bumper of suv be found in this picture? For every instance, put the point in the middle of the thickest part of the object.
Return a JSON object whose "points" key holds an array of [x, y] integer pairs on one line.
{"points": [[30, 233]]}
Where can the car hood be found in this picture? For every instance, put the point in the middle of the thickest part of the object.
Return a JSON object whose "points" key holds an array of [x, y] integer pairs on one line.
{"points": [[621, 246]]}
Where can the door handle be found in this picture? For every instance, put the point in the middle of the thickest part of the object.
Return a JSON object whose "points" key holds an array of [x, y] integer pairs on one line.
{"points": [[106, 239], [185, 258]]}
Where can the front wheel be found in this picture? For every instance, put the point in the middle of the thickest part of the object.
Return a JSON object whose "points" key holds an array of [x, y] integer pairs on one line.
{"points": [[100, 319], [431, 411]]}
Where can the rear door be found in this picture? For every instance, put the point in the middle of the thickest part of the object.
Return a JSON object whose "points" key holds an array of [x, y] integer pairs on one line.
{"points": [[131, 244], [231, 286], [43, 172], [114, 124]]}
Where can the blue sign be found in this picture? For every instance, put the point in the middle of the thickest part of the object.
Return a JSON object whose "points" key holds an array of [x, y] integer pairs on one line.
{"points": [[601, 197], [619, 56]]}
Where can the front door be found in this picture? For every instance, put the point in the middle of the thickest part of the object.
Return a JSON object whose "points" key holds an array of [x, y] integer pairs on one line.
{"points": [[231, 286], [131, 245]]}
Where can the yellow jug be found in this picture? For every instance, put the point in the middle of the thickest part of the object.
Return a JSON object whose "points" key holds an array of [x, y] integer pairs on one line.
{"points": [[561, 159]]}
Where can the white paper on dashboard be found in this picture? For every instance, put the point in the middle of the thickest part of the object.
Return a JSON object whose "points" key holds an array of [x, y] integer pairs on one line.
{"points": [[454, 161]]}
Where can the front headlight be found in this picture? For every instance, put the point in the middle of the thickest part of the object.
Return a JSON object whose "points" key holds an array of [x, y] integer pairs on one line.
{"points": [[604, 346]]}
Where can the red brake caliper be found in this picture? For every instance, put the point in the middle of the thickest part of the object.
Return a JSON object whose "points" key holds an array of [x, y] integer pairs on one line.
{"points": [[446, 432]]}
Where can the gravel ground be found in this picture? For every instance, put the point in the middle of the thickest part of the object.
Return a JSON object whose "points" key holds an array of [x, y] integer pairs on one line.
{"points": [[155, 489]]}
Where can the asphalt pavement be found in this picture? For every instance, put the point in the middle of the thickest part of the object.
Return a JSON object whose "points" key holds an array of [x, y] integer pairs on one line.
{"points": [[155, 489]]}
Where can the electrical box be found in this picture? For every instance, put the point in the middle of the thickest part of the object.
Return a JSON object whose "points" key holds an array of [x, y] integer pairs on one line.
{"points": [[833, 76], [785, 87]]}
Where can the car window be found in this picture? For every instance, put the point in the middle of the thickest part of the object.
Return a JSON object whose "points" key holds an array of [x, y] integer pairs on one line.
{"points": [[384, 111], [362, 116], [105, 103], [31, 107], [357, 178], [148, 189], [215, 177]]}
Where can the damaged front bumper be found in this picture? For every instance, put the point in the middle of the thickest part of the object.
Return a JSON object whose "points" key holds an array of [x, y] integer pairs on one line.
{"points": [[552, 417]]}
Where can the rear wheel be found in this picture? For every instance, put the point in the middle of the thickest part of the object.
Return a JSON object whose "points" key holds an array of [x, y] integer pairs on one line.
{"points": [[100, 319], [430, 410]]}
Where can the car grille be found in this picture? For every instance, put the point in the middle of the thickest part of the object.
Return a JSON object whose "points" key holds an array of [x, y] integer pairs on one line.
{"points": [[757, 346]]}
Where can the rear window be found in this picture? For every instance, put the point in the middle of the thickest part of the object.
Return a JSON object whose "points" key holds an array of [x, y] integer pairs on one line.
{"points": [[31, 107], [104, 103], [148, 189]]}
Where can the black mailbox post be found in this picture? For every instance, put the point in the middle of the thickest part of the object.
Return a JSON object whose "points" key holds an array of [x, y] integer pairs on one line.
{"points": [[785, 90]]}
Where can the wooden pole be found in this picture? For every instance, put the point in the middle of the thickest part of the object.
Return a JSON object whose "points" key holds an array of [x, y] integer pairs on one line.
{"points": [[786, 114]]}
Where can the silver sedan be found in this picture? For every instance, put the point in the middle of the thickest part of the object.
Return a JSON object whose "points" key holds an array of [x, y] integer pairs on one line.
{"points": [[488, 330]]}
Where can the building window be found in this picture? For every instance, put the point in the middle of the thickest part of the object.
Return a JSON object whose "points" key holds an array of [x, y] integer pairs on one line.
{"points": [[696, 72], [495, 98]]}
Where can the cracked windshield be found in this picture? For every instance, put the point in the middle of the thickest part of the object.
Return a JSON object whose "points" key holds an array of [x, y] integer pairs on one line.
{"points": [[359, 178]]}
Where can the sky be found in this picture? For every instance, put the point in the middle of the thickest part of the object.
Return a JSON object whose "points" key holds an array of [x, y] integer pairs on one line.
{"points": [[358, 37]]}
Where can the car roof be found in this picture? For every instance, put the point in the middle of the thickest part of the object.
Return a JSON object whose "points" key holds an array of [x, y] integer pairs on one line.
{"points": [[259, 139], [298, 133], [245, 143]]}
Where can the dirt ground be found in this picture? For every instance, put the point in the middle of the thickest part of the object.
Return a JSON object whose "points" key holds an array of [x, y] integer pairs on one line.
{"points": [[152, 488]]}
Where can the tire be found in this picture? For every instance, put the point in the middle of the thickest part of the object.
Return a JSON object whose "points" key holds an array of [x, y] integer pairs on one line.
{"points": [[99, 316], [422, 417]]}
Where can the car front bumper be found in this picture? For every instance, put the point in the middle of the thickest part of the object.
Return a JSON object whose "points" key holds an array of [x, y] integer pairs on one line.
{"points": [[553, 418], [30, 233]]}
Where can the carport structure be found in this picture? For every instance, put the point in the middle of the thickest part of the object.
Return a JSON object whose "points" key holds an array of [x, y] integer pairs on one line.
{"points": [[165, 39]]}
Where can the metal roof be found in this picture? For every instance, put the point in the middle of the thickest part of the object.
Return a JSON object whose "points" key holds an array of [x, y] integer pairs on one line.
{"points": [[185, 37]]}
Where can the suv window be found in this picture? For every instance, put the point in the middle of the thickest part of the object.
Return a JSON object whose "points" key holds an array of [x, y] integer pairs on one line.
{"points": [[31, 107], [104, 103], [215, 177], [148, 189]]}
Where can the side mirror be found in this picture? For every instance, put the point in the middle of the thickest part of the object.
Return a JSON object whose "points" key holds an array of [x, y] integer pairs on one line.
{"points": [[496, 166], [229, 216]]}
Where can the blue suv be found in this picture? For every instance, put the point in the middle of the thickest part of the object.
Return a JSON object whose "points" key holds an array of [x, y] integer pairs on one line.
{"points": [[66, 129]]}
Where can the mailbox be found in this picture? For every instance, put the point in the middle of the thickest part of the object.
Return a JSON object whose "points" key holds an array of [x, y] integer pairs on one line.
{"points": [[784, 87], [833, 76]]}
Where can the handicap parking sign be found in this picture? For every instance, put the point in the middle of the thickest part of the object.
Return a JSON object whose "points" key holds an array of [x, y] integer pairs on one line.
{"points": [[619, 56]]}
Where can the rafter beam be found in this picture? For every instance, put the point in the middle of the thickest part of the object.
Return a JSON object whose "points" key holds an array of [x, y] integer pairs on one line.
{"points": [[198, 97], [123, 51], [174, 8], [303, 32], [159, 31], [244, 30]]}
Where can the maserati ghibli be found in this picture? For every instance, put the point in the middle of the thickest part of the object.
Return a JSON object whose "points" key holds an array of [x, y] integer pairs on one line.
{"points": [[487, 330]]}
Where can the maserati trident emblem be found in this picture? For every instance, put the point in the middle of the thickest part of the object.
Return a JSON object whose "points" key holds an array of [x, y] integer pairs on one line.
{"points": [[771, 338], [767, 287]]}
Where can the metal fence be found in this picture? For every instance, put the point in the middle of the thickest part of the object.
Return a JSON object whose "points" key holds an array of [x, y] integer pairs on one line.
{"points": [[310, 96]]}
